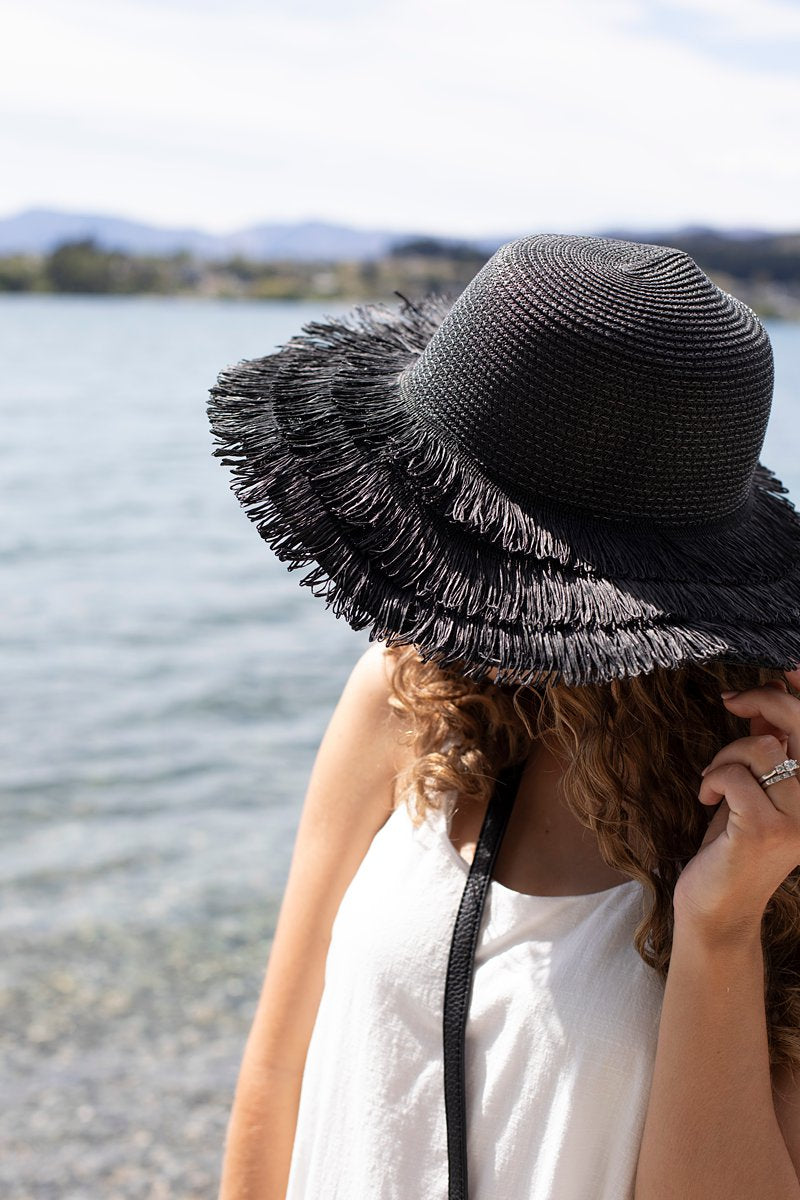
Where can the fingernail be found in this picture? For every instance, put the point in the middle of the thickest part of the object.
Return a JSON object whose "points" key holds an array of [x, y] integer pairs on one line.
{"points": [[727, 695], [704, 770]]}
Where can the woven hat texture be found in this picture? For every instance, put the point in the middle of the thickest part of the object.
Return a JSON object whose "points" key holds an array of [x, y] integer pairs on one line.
{"points": [[556, 474]]}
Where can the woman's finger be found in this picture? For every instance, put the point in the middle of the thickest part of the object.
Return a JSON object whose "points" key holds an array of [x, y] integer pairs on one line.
{"points": [[778, 707], [760, 753], [759, 724], [751, 813]]}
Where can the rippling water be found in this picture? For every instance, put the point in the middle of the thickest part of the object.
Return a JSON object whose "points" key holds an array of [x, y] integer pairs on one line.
{"points": [[166, 684], [167, 677]]}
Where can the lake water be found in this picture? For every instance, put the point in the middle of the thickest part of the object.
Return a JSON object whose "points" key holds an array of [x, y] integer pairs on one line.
{"points": [[166, 684]]}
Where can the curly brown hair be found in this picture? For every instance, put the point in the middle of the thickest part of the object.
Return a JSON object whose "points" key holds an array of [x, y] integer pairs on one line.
{"points": [[634, 749]]}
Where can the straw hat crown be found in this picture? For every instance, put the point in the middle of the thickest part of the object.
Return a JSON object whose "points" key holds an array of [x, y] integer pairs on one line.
{"points": [[606, 375]]}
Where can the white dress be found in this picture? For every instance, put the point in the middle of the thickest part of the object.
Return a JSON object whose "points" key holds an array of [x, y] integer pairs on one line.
{"points": [[560, 1043]]}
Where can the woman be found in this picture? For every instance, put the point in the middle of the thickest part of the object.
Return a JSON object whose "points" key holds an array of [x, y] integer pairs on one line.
{"points": [[545, 501]]}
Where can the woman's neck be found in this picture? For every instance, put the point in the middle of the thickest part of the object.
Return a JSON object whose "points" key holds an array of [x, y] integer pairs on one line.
{"points": [[545, 849]]}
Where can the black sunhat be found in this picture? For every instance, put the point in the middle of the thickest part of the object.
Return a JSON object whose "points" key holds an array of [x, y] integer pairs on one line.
{"points": [[557, 474]]}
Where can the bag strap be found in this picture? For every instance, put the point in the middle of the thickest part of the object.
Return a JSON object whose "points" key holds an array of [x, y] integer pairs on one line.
{"points": [[458, 984]]}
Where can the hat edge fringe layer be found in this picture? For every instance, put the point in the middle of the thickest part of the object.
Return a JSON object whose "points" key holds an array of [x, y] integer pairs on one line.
{"points": [[414, 546], [578, 655]]}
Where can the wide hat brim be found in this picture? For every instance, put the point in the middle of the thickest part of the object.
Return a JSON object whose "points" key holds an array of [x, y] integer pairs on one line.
{"points": [[408, 536]]}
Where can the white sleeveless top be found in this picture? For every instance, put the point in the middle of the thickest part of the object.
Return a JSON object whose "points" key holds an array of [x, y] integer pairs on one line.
{"points": [[560, 1042]]}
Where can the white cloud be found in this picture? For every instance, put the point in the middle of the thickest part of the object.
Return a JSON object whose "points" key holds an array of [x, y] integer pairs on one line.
{"points": [[449, 115], [762, 20]]}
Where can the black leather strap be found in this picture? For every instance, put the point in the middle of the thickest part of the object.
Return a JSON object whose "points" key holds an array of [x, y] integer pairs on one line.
{"points": [[458, 984]]}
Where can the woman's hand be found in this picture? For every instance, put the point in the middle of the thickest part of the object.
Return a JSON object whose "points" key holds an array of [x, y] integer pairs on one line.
{"points": [[753, 840]]}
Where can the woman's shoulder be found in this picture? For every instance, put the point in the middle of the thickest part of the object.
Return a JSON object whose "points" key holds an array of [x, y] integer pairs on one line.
{"points": [[376, 724], [373, 671]]}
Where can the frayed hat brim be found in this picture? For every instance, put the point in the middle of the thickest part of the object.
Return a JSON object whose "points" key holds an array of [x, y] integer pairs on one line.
{"points": [[408, 536]]}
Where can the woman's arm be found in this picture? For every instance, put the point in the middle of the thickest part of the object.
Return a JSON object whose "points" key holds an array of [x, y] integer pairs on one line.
{"points": [[712, 1128], [349, 797], [711, 1131]]}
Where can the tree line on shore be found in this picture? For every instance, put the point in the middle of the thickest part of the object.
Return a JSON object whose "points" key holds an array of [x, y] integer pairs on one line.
{"points": [[762, 270]]}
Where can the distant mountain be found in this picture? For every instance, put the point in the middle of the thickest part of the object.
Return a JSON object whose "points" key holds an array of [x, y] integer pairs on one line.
{"points": [[40, 230], [663, 237]]}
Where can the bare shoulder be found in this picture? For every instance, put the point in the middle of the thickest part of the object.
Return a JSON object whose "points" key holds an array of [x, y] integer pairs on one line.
{"points": [[365, 729], [350, 795]]}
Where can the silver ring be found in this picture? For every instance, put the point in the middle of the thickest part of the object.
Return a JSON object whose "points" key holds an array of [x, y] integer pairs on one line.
{"points": [[784, 770]]}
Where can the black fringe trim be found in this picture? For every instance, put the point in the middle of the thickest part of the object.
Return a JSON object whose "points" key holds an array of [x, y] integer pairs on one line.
{"points": [[410, 537]]}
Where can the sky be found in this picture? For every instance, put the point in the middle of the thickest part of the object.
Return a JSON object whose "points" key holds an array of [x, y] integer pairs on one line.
{"points": [[459, 117]]}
